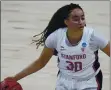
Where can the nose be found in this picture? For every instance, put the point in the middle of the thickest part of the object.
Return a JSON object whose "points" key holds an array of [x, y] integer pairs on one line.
{"points": [[80, 21]]}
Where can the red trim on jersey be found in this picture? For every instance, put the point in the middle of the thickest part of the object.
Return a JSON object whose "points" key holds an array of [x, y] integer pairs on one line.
{"points": [[98, 88]]}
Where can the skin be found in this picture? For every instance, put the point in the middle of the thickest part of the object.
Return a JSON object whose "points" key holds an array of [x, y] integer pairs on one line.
{"points": [[106, 50], [75, 24]]}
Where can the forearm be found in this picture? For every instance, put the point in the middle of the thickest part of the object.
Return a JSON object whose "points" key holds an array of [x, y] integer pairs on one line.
{"points": [[35, 66], [106, 50]]}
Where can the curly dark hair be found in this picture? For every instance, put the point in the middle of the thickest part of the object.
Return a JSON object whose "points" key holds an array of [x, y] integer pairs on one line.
{"points": [[56, 22]]}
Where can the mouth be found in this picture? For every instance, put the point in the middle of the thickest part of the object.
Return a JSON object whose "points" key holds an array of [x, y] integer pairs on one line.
{"points": [[81, 26]]}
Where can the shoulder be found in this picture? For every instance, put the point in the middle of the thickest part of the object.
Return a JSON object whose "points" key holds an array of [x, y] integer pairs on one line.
{"points": [[97, 41], [59, 31], [53, 38], [88, 30]]}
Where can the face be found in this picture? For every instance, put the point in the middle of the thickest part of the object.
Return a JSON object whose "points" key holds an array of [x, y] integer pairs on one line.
{"points": [[76, 19]]}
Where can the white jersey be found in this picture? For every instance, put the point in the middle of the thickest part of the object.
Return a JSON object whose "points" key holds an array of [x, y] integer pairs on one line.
{"points": [[80, 60]]}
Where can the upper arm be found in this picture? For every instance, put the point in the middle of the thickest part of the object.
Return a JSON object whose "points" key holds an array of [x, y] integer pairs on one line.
{"points": [[106, 49], [46, 55], [51, 41], [48, 51], [97, 42]]}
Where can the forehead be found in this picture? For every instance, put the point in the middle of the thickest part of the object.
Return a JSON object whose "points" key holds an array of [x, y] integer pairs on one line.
{"points": [[77, 12]]}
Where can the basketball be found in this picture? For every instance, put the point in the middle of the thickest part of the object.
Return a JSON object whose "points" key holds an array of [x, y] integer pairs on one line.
{"points": [[9, 84]]}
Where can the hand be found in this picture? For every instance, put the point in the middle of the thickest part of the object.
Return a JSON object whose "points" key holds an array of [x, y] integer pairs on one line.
{"points": [[10, 83], [10, 78]]}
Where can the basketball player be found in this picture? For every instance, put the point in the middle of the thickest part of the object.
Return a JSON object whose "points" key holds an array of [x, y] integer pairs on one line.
{"points": [[76, 46]]}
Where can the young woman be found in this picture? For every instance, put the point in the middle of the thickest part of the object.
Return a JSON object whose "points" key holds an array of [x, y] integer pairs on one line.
{"points": [[76, 46]]}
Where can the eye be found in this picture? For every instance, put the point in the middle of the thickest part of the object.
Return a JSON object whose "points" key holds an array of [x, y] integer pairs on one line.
{"points": [[75, 19], [82, 18]]}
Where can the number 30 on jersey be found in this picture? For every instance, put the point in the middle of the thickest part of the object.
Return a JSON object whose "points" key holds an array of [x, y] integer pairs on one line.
{"points": [[74, 66]]}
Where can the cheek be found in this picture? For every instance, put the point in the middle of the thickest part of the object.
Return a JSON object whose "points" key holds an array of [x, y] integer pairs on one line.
{"points": [[83, 22], [72, 24], [76, 24]]}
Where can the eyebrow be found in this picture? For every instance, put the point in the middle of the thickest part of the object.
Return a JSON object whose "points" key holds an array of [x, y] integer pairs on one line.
{"points": [[77, 16]]}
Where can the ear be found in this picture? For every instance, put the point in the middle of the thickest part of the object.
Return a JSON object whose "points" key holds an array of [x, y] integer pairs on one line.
{"points": [[66, 22]]}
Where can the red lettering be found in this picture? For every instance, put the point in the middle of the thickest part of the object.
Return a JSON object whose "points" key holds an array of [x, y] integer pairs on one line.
{"points": [[73, 57], [84, 56], [76, 66], [70, 65]]}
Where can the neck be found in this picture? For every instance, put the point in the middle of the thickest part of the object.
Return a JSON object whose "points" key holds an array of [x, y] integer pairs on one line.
{"points": [[74, 36], [74, 33]]}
